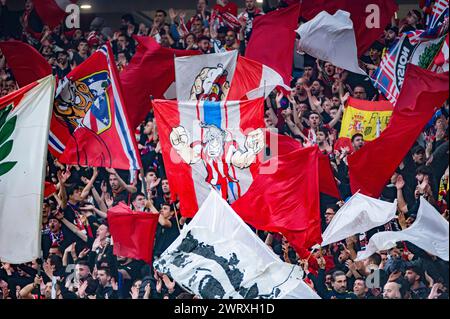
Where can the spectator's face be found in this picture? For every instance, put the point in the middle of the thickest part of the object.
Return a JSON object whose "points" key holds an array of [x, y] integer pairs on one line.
{"points": [[303, 107], [54, 251], [77, 34], [391, 36], [139, 202], [159, 18], [359, 93], [327, 106], [328, 279], [419, 158], [411, 18], [440, 124], [166, 212], [314, 120], [343, 256], [329, 214], [148, 129], [82, 272], [143, 29], [268, 122], [54, 225], [374, 54], [316, 88], [47, 50], [358, 142], [250, 5], [102, 232], [391, 291], [45, 210], [409, 221], [336, 101], [204, 45], [308, 72], [340, 284], [201, 5], [420, 177], [151, 176], [197, 26], [48, 291], [113, 182], [83, 48], [299, 86], [329, 69], [321, 137], [190, 40], [103, 278], [165, 186], [29, 5], [359, 288], [62, 58], [122, 42], [76, 196], [230, 38], [411, 277]]}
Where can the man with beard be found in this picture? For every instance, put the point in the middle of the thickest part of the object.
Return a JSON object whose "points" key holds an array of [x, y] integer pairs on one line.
{"points": [[248, 15], [390, 35], [62, 65], [231, 42], [31, 291]]}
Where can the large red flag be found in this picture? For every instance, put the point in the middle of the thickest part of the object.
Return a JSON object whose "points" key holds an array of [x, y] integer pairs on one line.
{"points": [[151, 72], [52, 12], [26, 63], [277, 28], [360, 11], [327, 182], [371, 167], [287, 200], [133, 232]]}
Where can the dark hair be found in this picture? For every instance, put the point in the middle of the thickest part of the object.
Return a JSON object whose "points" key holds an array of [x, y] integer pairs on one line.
{"points": [[185, 295], [416, 269], [128, 17], [425, 170], [333, 207], [82, 262], [55, 261], [418, 149], [404, 286], [324, 130], [360, 86], [71, 189], [105, 269], [375, 258], [357, 135], [313, 112], [336, 274], [162, 11], [135, 195], [203, 37]]}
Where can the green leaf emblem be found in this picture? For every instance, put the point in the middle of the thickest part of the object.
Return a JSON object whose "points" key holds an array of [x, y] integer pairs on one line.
{"points": [[6, 129]]}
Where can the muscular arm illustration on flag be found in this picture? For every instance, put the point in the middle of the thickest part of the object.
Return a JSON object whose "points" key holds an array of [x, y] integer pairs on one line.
{"points": [[218, 151]]}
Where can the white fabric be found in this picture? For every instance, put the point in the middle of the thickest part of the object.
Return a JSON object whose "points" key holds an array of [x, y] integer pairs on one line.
{"points": [[230, 245], [359, 214], [270, 80], [202, 71], [430, 231], [21, 189], [331, 38]]}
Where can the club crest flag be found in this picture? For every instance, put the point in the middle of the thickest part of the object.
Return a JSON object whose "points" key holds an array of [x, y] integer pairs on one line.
{"points": [[24, 124], [89, 125], [209, 144], [205, 77], [366, 118], [217, 256]]}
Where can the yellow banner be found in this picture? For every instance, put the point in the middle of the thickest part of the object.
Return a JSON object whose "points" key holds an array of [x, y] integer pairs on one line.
{"points": [[365, 117]]}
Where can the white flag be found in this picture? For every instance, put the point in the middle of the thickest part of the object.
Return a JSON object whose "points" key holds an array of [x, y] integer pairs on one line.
{"points": [[217, 256], [359, 214], [429, 231], [24, 125], [331, 38], [205, 77]]}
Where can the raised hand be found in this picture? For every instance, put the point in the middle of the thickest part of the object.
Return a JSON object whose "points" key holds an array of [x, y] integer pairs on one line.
{"points": [[400, 183]]}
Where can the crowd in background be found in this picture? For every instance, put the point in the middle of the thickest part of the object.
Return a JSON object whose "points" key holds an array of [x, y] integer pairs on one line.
{"points": [[78, 259]]}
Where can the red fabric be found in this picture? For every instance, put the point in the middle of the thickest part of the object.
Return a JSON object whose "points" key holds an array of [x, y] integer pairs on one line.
{"points": [[372, 166], [150, 73], [327, 182], [26, 63], [50, 12], [287, 200], [247, 77], [115, 146], [231, 7], [49, 189], [365, 37], [133, 232], [273, 39]]}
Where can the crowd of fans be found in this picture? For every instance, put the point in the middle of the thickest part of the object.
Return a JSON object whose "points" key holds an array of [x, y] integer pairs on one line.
{"points": [[78, 260]]}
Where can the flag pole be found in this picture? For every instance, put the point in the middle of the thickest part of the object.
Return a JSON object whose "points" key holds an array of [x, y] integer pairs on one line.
{"points": [[176, 216]]}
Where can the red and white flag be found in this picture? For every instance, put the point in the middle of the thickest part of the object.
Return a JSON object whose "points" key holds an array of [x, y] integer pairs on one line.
{"points": [[90, 125], [52, 12], [209, 144]]}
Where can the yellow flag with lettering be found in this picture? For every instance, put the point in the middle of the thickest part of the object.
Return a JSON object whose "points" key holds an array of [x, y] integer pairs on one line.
{"points": [[365, 117]]}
